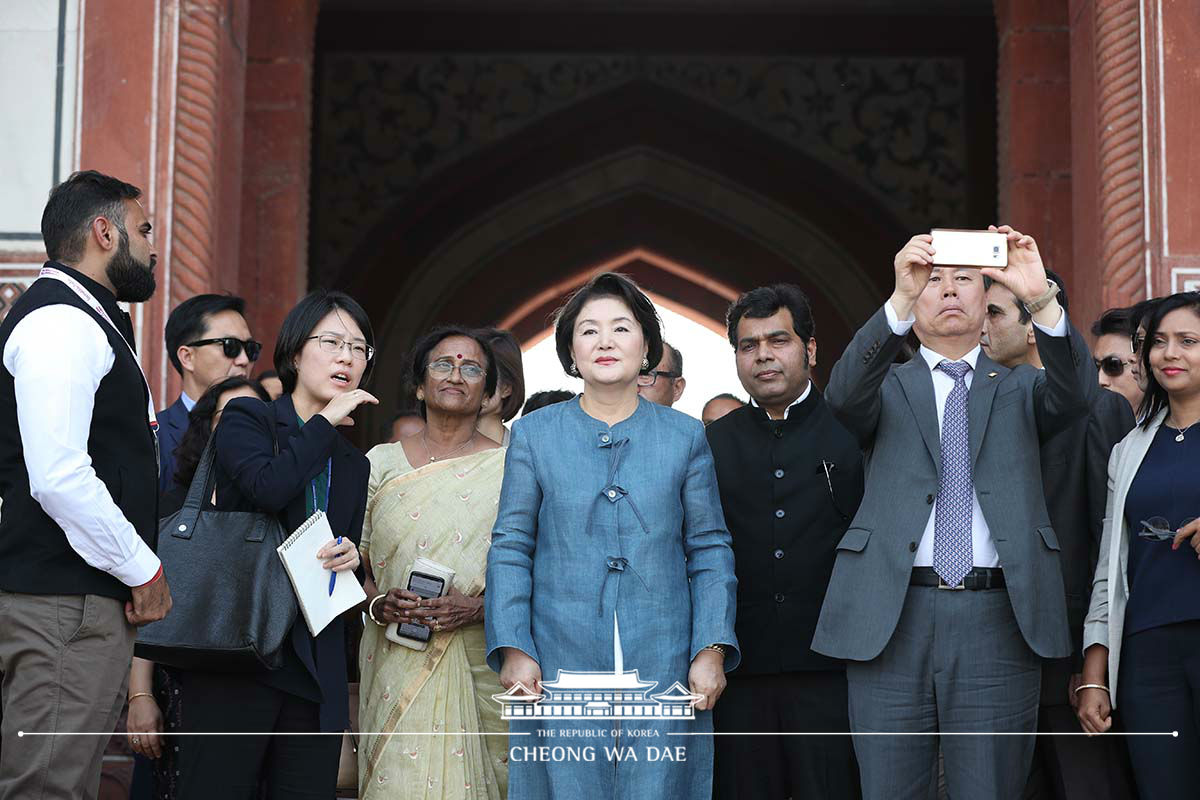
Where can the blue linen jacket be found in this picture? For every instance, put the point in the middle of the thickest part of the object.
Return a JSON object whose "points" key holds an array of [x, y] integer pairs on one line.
{"points": [[594, 521]]}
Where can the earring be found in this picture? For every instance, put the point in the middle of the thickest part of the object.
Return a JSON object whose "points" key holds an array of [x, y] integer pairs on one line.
{"points": [[646, 363], [574, 370]]}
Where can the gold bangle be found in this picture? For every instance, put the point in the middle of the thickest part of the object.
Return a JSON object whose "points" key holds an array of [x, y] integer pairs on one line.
{"points": [[718, 648], [371, 608], [1079, 689], [136, 695]]}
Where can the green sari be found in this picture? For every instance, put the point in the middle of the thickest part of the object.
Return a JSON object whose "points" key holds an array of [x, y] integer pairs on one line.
{"points": [[443, 511]]}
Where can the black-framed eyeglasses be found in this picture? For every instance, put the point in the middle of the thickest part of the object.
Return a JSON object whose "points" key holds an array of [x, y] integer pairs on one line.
{"points": [[444, 369], [648, 379], [1158, 529], [1113, 366], [232, 346], [334, 344]]}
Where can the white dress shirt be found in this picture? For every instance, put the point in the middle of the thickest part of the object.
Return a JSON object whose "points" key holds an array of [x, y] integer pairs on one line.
{"points": [[803, 396], [984, 550], [57, 356]]}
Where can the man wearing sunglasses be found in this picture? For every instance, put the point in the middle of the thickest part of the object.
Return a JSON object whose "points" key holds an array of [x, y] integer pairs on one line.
{"points": [[1074, 465], [1116, 362], [208, 340]]}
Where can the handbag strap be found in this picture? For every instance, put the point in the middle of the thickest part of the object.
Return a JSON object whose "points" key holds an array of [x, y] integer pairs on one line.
{"points": [[204, 479]]}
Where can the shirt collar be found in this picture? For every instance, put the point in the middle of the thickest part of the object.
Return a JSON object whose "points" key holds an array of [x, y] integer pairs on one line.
{"points": [[933, 359], [188, 402], [803, 396]]}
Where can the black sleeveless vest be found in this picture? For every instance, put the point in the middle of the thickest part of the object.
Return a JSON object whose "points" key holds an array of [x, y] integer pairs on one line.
{"points": [[35, 557]]}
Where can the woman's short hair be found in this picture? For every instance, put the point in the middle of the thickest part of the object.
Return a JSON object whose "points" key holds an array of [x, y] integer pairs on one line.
{"points": [[608, 284], [512, 371], [1155, 398], [302, 320], [191, 446], [425, 345]]}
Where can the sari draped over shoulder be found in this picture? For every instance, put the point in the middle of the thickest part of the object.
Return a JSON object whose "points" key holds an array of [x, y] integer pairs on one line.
{"points": [[442, 511]]}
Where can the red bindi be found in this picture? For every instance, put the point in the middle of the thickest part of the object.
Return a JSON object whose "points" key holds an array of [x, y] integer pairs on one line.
{"points": [[459, 356]]}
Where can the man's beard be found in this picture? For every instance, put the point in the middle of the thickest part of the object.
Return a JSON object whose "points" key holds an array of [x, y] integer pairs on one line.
{"points": [[133, 281]]}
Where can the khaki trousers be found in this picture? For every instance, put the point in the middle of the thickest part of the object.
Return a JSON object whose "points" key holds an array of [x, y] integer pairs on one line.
{"points": [[65, 663]]}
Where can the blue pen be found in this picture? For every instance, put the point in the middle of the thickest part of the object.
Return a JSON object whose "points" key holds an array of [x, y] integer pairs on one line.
{"points": [[332, 574]]}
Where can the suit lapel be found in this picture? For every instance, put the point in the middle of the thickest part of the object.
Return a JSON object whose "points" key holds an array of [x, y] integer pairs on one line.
{"points": [[285, 423], [917, 383], [979, 401]]}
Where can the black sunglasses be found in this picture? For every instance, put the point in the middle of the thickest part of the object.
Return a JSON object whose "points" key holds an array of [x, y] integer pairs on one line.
{"points": [[232, 346], [1113, 366]]}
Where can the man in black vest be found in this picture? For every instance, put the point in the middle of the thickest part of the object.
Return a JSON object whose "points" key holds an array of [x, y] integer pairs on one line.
{"points": [[790, 478], [79, 479]]}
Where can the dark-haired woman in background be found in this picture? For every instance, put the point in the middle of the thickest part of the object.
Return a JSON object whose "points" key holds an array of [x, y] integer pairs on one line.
{"points": [[610, 512], [287, 458], [153, 699], [504, 403], [433, 494], [1143, 626]]}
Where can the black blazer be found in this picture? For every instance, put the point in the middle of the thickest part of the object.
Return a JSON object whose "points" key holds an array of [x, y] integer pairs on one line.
{"points": [[250, 476], [172, 425], [1075, 479], [783, 562]]}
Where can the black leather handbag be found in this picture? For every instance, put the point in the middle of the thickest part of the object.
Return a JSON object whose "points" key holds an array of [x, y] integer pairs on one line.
{"points": [[233, 606]]}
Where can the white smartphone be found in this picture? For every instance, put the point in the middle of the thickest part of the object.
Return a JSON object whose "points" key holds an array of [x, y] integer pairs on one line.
{"points": [[958, 248]]}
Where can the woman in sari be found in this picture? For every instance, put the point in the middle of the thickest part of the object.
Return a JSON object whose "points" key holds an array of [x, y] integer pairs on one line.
{"points": [[433, 494]]}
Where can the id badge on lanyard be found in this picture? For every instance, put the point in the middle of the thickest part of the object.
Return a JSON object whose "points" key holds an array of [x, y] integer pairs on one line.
{"points": [[83, 294]]}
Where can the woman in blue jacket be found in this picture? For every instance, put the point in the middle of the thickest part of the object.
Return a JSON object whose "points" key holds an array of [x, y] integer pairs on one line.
{"points": [[610, 520]]}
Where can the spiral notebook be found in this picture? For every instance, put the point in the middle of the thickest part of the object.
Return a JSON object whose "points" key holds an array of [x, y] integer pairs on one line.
{"points": [[310, 580]]}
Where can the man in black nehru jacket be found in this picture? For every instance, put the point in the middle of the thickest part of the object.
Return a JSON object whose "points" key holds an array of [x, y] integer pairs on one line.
{"points": [[791, 479], [79, 481]]}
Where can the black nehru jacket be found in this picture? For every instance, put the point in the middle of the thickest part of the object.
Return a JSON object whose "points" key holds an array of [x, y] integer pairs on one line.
{"points": [[785, 524], [35, 556]]}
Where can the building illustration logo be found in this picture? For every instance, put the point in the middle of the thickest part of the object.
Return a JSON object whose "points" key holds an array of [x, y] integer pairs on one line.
{"points": [[619, 694]]}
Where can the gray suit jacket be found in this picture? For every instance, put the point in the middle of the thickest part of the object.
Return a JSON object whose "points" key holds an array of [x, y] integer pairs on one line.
{"points": [[1105, 623], [892, 411]]}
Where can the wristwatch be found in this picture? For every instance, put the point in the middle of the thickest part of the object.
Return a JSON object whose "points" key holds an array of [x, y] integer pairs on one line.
{"points": [[720, 648], [1043, 300]]}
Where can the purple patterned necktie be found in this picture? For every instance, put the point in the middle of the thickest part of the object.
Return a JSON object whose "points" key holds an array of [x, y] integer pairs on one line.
{"points": [[953, 556]]}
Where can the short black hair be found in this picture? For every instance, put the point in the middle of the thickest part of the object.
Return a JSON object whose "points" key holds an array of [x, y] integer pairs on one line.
{"points": [[608, 284], [72, 206], [1116, 322], [302, 320], [546, 398], [267, 373], [765, 301], [191, 446], [425, 345], [189, 320], [676, 357], [1155, 399], [507, 352]]}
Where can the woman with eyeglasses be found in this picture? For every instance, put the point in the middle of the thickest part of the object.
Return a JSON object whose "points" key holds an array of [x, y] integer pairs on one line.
{"points": [[610, 555], [1142, 634], [287, 458], [433, 495]]}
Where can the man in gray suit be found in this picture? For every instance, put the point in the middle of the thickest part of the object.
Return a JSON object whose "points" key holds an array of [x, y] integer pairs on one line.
{"points": [[953, 501]]}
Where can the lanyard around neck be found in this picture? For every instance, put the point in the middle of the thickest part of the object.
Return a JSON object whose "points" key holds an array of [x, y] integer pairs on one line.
{"points": [[83, 294], [328, 483]]}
